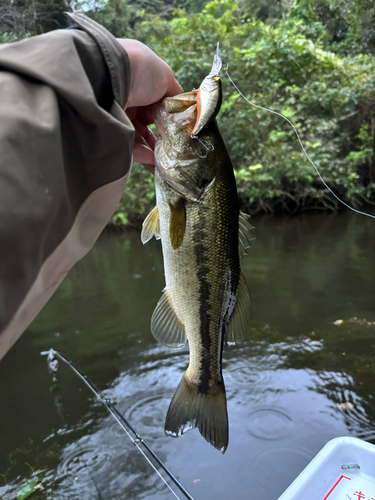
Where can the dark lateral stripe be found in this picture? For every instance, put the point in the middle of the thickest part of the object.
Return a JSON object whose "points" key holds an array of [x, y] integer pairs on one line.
{"points": [[204, 315]]}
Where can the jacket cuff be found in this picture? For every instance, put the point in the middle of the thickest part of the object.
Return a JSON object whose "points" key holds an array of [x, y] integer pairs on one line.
{"points": [[114, 54]]}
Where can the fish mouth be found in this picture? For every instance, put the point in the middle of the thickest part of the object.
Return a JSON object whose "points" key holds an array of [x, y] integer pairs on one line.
{"points": [[170, 116]]}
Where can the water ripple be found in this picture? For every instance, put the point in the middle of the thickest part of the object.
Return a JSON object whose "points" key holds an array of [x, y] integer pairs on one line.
{"points": [[77, 461], [282, 462], [146, 411], [269, 423], [244, 371]]}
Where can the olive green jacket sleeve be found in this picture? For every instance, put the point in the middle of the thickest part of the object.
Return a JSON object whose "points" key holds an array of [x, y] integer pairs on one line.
{"points": [[65, 157]]}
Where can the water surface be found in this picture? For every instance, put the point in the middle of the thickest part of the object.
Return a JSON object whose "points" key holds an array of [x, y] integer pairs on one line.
{"points": [[297, 381]]}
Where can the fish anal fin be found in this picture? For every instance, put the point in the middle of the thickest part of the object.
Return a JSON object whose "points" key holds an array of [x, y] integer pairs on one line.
{"points": [[177, 223], [190, 408], [244, 233], [240, 320], [151, 226], [165, 325]]}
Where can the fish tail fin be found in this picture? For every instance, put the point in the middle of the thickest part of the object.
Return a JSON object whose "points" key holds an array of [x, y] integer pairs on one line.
{"points": [[190, 408]]}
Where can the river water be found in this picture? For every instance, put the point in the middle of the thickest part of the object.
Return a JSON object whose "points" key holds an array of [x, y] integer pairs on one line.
{"points": [[297, 381]]}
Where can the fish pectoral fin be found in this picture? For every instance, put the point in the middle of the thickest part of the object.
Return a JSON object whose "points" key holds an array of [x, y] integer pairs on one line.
{"points": [[239, 322], [244, 233], [190, 408], [177, 223], [165, 325], [151, 226]]}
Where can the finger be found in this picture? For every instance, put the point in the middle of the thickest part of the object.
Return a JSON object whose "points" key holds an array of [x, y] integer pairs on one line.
{"points": [[143, 131], [144, 114], [174, 88], [145, 137], [131, 112], [145, 155], [150, 168], [150, 138]]}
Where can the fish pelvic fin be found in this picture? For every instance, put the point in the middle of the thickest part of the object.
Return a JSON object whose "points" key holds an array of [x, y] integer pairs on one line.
{"points": [[239, 322], [244, 234], [151, 226], [166, 326], [190, 408]]}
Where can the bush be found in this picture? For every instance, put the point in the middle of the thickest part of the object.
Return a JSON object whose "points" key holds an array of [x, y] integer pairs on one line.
{"points": [[329, 98]]}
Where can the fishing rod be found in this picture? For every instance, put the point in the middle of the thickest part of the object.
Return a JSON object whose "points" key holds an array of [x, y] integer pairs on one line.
{"points": [[52, 360]]}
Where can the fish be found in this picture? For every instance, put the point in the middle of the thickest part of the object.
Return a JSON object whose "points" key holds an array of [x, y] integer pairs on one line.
{"points": [[203, 234]]}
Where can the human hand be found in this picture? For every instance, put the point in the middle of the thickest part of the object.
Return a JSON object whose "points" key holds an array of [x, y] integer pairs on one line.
{"points": [[151, 79]]}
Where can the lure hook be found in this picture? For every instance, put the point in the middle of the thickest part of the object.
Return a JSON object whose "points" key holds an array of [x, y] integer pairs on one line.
{"points": [[208, 149]]}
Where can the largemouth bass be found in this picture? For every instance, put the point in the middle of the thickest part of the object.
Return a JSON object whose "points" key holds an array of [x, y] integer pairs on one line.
{"points": [[203, 234]]}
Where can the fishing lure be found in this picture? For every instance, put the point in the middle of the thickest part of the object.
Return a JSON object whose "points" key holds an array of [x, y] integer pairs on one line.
{"points": [[209, 96]]}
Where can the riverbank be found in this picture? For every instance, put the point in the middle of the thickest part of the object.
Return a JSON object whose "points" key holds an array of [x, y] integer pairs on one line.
{"points": [[139, 199]]}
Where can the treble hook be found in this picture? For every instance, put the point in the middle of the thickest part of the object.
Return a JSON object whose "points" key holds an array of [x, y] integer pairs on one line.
{"points": [[208, 149]]}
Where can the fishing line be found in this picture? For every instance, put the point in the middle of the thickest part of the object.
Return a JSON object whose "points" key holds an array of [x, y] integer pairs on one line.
{"points": [[303, 149], [138, 441]]}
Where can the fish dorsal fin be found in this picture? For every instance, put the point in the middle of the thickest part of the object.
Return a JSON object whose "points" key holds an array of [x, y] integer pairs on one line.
{"points": [[239, 323], [177, 223], [165, 325], [151, 226], [244, 234]]}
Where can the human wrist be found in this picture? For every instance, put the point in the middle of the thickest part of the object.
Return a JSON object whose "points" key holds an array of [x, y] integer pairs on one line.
{"points": [[135, 51]]}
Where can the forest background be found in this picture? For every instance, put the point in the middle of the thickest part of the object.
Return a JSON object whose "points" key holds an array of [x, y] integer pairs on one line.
{"points": [[311, 60]]}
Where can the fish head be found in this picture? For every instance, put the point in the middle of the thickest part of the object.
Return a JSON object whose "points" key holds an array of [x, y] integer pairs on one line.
{"points": [[184, 162], [174, 120]]}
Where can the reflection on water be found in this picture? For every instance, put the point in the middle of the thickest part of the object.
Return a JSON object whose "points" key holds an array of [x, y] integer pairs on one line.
{"points": [[296, 382]]}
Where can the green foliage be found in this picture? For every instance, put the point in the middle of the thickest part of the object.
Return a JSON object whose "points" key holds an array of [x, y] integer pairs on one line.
{"points": [[113, 14], [328, 97], [268, 11], [162, 8], [310, 60], [12, 37], [349, 25]]}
